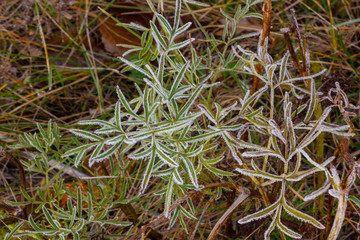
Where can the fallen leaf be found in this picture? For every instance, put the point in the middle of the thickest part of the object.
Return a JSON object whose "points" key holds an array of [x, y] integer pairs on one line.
{"points": [[112, 34]]}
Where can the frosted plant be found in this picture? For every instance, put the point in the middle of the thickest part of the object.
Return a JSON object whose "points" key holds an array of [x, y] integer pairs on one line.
{"points": [[284, 144], [61, 221], [181, 134], [165, 127], [161, 126]]}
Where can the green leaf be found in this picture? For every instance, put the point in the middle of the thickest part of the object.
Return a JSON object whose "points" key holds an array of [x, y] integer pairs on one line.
{"points": [[355, 200], [177, 14], [134, 66], [25, 194], [183, 224], [201, 4], [108, 152], [182, 29], [47, 232], [165, 24], [187, 213], [165, 157], [79, 202], [356, 20], [118, 114], [207, 112], [114, 222], [96, 122], [86, 134], [79, 157], [247, 100], [270, 229], [178, 79], [190, 101], [158, 89], [125, 103], [170, 128], [133, 26], [141, 153], [151, 5], [176, 176], [262, 213], [301, 216], [174, 217], [11, 203], [180, 44], [168, 196], [217, 171], [49, 218], [78, 149], [190, 170], [76, 236], [78, 226], [9, 235], [157, 36], [287, 231], [259, 173], [95, 153], [204, 137], [283, 65], [148, 170]]}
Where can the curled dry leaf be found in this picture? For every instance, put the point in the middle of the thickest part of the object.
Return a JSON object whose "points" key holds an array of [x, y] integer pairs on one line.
{"points": [[112, 34]]}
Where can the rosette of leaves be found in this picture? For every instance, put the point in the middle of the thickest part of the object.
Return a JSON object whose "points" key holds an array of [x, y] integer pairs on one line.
{"points": [[287, 141], [156, 126], [161, 126], [61, 221]]}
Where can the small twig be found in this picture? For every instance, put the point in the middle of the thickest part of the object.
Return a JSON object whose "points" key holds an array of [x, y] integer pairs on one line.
{"points": [[243, 195], [292, 51], [299, 38], [307, 55], [179, 201], [209, 202]]}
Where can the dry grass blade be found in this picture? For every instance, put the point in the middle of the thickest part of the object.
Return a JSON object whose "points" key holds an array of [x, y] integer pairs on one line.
{"points": [[292, 51], [295, 28], [5, 155]]}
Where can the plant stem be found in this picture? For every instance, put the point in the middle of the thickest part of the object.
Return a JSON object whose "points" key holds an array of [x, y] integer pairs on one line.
{"points": [[243, 195], [340, 214]]}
